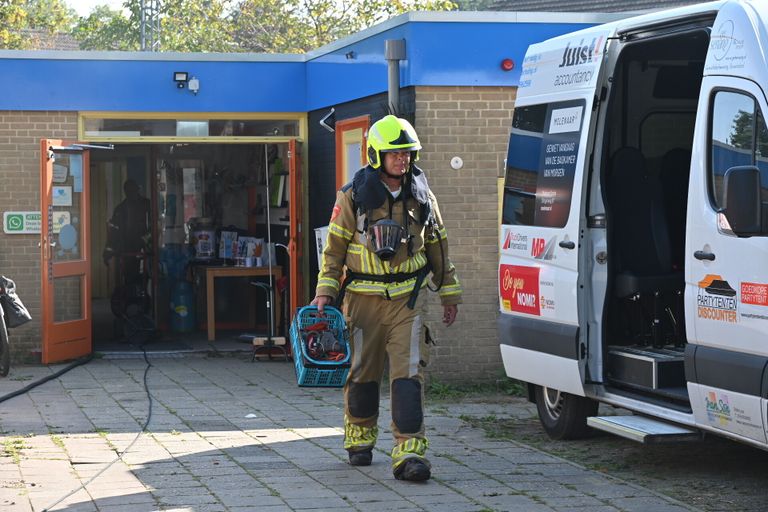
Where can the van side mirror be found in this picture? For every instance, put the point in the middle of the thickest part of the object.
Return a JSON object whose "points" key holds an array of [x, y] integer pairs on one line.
{"points": [[743, 207]]}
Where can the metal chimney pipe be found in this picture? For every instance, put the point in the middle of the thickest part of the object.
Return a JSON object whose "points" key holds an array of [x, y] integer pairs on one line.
{"points": [[394, 53]]}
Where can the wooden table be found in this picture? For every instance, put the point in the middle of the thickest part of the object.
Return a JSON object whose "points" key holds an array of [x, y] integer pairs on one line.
{"points": [[211, 273]]}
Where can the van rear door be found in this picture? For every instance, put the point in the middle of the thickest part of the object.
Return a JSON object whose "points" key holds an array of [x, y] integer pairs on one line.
{"points": [[542, 213]]}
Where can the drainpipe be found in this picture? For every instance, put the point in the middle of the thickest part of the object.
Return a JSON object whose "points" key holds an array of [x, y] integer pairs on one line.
{"points": [[394, 53]]}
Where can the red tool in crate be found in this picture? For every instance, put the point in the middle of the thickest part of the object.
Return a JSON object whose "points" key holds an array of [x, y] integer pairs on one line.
{"points": [[320, 347]]}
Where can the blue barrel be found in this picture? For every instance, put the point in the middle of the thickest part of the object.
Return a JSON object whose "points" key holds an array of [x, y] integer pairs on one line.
{"points": [[182, 307]]}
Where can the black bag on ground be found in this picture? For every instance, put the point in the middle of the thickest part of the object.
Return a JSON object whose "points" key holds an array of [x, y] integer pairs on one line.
{"points": [[15, 312]]}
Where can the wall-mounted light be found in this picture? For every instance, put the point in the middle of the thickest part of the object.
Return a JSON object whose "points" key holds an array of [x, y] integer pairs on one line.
{"points": [[181, 78]]}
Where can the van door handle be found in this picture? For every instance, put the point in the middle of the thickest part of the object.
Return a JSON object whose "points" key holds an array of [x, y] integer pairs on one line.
{"points": [[702, 255], [567, 244]]}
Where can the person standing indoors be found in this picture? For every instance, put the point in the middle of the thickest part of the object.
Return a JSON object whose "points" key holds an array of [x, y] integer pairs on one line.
{"points": [[385, 237], [129, 230]]}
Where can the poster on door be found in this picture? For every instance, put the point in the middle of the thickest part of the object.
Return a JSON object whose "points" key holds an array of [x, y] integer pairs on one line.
{"points": [[519, 289], [558, 155]]}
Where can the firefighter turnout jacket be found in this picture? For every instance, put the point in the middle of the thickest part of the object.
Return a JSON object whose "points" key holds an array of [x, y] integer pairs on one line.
{"points": [[364, 202]]}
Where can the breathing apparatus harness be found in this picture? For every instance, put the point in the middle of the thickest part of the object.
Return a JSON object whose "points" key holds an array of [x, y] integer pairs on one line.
{"points": [[386, 235]]}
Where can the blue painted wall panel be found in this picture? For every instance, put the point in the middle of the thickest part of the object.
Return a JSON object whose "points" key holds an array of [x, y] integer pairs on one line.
{"points": [[332, 78], [466, 54], [438, 54], [50, 84]]}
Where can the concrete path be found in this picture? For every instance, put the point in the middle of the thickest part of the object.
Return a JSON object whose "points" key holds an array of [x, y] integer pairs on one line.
{"points": [[226, 434]]}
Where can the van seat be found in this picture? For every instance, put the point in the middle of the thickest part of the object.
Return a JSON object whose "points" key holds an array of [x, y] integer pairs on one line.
{"points": [[642, 261], [641, 235], [675, 170]]}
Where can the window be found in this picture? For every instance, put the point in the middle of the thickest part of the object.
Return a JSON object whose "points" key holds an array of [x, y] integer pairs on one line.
{"points": [[95, 127], [739, 137], [541, 164], [662, 131]]}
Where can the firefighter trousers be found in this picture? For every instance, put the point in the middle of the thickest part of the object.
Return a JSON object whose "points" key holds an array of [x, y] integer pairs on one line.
{"points": [[381, 330]]}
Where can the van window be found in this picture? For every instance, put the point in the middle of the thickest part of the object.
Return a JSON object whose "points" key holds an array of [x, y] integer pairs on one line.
{"points": [[739, 137], [661, 131], [541, 164]]}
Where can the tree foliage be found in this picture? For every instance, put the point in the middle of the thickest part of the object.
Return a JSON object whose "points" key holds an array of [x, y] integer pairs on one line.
{"points": [[106, 29], [50, 15], [297, 26], [267, 26], [13, 18], [23, 23]]}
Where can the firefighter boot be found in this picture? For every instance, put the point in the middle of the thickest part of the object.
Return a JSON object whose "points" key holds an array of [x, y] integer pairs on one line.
{"points": [[408, 461], [361, 457], [414, 469], [359, 442]]}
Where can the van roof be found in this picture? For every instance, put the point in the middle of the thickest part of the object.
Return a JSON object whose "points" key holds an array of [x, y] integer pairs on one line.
{"points": [[630, 23]]}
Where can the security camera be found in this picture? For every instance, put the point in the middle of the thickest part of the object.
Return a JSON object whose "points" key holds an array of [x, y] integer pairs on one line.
{"points": [[329, 121]]}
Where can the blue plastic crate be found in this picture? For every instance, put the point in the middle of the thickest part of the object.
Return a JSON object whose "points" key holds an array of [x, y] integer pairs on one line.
{"points": [[311, 372]]}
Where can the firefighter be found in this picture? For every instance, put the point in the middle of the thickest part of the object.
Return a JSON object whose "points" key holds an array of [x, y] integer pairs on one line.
{"points": [[385, 237]]}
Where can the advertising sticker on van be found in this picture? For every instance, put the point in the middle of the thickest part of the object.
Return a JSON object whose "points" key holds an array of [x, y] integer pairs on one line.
{"points": [[716, 299], [563, 64], [559, 152], [754, 293], [519, 289]]}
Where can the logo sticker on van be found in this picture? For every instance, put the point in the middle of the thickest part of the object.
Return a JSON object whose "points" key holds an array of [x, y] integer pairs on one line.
{"points": [[514, 241], [519, 289], [581, 53], [754, 293], [542, 249], [716, 299], [718, 408]]}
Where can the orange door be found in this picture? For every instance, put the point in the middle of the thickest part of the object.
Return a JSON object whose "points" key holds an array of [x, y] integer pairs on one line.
{"points": [[65, 249], [297, 235]]}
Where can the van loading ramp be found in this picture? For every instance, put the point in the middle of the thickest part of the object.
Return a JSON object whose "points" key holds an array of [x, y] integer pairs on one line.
{"points": [[644, 430]]}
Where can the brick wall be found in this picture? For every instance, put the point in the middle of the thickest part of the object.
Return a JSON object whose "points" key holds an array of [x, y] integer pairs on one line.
{"points": [[472, 123], [20, 134]]}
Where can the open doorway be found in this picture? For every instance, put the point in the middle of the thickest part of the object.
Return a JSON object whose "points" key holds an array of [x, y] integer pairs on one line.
{"points": [[164, 217]]}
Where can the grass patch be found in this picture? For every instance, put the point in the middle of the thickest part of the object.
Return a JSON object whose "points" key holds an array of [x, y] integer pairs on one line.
{"points": [[58, 442], [437, 390], [13, 447]]}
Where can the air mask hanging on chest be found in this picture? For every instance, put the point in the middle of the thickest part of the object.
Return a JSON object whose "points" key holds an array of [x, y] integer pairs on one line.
{"points": [[386, 236]]}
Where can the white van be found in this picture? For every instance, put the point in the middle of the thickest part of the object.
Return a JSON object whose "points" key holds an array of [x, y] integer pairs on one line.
{"points": [[634, 240]]}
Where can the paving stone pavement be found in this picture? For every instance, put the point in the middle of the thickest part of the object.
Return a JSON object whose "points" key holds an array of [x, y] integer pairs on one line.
{"points": [[226, 434]]}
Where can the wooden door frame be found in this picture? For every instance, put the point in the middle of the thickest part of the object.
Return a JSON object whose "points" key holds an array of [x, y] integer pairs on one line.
{"points": [[296, 234]]}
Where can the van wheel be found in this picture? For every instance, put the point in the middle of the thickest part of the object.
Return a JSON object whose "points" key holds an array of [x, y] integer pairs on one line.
{"points": [[564, 416]]}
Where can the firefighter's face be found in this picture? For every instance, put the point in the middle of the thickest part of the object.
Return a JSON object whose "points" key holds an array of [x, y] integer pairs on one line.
{"points": [[396, 163]]}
